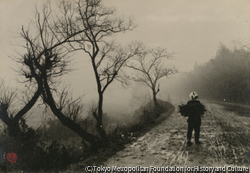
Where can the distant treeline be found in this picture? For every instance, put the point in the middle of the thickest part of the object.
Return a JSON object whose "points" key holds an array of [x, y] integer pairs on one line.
{"points": [[224, 77]]}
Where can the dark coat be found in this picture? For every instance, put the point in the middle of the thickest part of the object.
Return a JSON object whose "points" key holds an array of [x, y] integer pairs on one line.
{"points": [[193, 109]]}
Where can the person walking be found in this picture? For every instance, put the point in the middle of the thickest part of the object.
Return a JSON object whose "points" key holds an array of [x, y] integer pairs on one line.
{"points": [[193, 109]]}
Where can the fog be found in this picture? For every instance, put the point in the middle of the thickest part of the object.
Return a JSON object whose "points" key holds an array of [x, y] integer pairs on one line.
{"points": [[192, 29]]}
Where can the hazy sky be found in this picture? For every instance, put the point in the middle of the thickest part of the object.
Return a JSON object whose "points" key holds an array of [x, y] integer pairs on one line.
{"points": [[193, 29]]}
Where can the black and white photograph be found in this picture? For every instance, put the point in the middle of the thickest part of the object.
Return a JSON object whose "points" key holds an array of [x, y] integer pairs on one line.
{"points": [[143, 86]]}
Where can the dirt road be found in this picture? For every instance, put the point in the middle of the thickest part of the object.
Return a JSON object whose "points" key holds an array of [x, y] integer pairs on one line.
{"points": [[225, 138]]}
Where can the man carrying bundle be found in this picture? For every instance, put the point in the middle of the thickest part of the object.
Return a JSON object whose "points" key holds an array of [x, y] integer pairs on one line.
{"points": [[193, 109]]}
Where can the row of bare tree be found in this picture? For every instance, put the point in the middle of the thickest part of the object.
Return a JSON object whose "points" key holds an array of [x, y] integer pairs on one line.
{"points": [[50, 40]]}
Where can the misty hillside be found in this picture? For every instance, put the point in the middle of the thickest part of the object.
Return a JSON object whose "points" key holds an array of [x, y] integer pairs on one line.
{"points": [[224, 77]]}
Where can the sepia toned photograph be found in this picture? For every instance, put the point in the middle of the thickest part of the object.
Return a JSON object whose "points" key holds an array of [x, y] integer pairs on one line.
{"points": [[147, 86]]}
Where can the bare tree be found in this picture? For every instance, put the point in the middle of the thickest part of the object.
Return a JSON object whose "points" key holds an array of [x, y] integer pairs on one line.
{"points": [[98, 24], [12, 117], [44, 63], [150, 68]]}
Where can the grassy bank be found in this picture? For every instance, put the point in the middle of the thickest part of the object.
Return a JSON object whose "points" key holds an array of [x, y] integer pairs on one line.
{"points": [[144, 119], [54, 148]]}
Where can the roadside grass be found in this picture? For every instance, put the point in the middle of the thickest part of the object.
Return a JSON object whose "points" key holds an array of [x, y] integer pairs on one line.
{"points": [[142, 121], [34, 153], [55, 148]]}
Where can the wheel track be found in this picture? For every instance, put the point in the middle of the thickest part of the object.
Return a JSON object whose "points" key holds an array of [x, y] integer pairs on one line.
{"points": [[165, 144]]}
